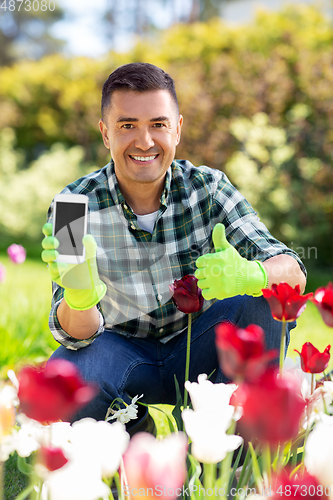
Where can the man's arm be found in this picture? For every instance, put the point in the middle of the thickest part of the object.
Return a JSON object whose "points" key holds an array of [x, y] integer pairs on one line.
{"points": [[284, 268], [78, 324]]}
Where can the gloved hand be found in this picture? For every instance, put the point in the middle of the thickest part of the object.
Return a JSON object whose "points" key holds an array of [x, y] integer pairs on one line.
{"points": [[225, 273], [83, 287]]}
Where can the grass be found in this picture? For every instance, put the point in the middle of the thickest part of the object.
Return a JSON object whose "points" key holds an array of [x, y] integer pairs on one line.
{"points": [[25, 299]]}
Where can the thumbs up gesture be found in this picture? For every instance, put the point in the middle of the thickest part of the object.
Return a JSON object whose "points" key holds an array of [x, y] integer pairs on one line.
{"points": [[225, 273]]}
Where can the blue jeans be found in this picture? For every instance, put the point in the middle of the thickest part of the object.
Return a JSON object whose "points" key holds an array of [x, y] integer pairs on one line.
{"points": [[124, 367]]}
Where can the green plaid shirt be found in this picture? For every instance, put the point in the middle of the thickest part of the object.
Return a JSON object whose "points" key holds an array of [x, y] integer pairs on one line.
{"points": [[138, 267]]}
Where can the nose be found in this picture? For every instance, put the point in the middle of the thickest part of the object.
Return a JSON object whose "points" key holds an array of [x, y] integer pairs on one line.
{"points": [[144, 140]]}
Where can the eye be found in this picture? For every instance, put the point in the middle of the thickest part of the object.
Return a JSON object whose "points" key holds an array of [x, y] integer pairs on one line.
{"points": [[159, 125], [127, 126]]}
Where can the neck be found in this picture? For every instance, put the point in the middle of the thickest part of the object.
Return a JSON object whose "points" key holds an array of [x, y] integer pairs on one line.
{"points": [[145, 200]]}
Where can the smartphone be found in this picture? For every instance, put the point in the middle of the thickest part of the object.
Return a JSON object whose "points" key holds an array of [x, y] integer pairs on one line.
{"points": [[70, 226]]}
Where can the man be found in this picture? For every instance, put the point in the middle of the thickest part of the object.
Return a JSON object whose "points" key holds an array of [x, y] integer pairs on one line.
{"points": [[154, 220]]}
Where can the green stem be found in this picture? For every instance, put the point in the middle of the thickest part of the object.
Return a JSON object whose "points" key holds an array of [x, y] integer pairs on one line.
{"points": [[282, 345], [209, 477], [188, 349]]}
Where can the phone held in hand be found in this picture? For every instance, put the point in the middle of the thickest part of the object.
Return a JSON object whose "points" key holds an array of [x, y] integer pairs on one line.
{"points": [[70, 226]]}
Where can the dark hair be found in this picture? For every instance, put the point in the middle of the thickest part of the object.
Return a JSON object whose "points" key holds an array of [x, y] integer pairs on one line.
{"points": [[139, 77]]}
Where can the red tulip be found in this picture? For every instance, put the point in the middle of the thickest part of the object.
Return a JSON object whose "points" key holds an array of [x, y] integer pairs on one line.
{"points": [[313, 361], [16, 253], [52, 458], [272, 408], [241, 351], [298, 487], [186, 294], [323, 299], [286, 302], [54, 392]]}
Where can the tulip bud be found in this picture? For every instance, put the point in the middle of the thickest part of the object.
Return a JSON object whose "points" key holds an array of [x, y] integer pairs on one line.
{"points": [[186, 295]]}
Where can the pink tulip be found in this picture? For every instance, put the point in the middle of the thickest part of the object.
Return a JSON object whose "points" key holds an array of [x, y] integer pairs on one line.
{"points": [[2, 273], [154, 467], [16, 253]]}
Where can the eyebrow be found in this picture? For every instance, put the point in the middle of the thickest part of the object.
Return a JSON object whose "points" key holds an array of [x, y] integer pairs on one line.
{"points": [[129, 119]]}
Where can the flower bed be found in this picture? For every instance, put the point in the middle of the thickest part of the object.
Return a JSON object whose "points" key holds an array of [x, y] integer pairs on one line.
{"points": [[283, 452]]}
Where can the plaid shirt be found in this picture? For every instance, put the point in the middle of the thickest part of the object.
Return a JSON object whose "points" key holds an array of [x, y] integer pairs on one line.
{"points": [[138, 267]]}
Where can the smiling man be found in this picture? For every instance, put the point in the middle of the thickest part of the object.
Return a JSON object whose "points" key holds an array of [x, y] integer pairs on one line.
{"points": [[142, 130], [152, 220]]}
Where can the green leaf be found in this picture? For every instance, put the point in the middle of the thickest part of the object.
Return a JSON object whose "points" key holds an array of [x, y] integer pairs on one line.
{"points": [[176, 412], [23, 466], [246, 470], [194, 472], [256, 469], [170, 422], [233, 472]]}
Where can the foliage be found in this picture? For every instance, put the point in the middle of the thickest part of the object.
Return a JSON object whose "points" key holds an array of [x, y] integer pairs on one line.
{"points": [[256, 101], [24, 31], [29, 192]]}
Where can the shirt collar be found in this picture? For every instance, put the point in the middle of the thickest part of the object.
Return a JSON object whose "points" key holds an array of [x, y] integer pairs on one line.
{"points": [[117, 195]]}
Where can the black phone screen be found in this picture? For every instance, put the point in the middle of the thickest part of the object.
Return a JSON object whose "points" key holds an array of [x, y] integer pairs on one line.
{"points": [[69, 227]]}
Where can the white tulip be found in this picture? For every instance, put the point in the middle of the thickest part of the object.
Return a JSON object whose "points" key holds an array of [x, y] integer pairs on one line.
{"points": [[101, 443], [203, 391], [319, 452], [208, 432], [79, 479]]}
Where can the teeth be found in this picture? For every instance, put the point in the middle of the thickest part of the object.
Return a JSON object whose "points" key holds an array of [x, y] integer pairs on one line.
{"points": [[144, 158]]}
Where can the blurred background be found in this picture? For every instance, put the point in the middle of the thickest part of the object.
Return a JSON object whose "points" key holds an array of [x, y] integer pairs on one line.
{"points": [[255, 86]]}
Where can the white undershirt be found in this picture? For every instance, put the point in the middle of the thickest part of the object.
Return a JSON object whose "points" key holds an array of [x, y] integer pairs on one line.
{"points": [[147, 221]]}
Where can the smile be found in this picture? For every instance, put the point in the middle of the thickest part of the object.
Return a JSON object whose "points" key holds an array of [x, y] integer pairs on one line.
{"points": [[143, 158]]}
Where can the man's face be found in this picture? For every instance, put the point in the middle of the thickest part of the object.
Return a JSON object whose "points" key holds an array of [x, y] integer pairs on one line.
{"points": [[142, 130]]}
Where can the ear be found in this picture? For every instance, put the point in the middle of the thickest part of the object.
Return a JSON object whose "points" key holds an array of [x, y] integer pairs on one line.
{"points": [[104, 131], [179, 129]]}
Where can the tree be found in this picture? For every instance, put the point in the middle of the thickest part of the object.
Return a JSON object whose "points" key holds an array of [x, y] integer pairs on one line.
{"points": [[144, 17], [25, 29]]}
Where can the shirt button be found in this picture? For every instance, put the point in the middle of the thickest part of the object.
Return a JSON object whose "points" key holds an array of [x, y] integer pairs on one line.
{"points": [[161, 330], [153, 256], [132, 226], [125, 207], [159, 296]]}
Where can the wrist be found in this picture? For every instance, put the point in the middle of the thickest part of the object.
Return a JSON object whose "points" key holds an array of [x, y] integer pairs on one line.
{"points": [[82, 300], [260, 279]]}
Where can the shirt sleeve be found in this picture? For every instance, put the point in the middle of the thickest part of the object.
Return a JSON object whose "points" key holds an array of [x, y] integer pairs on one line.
{"points": [[244, 229], [57, 331]]}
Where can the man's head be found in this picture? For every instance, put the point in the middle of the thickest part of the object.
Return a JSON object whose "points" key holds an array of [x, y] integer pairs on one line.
{"points": [[138, 77], [141, 126]]}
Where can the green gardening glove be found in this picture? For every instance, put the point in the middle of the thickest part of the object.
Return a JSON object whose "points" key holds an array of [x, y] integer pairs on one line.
{"points": [[83, 287], [225, 273]]}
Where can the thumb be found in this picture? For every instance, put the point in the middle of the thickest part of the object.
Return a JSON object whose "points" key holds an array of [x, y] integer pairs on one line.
{"points": [[90, 245], [219, 239]]}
